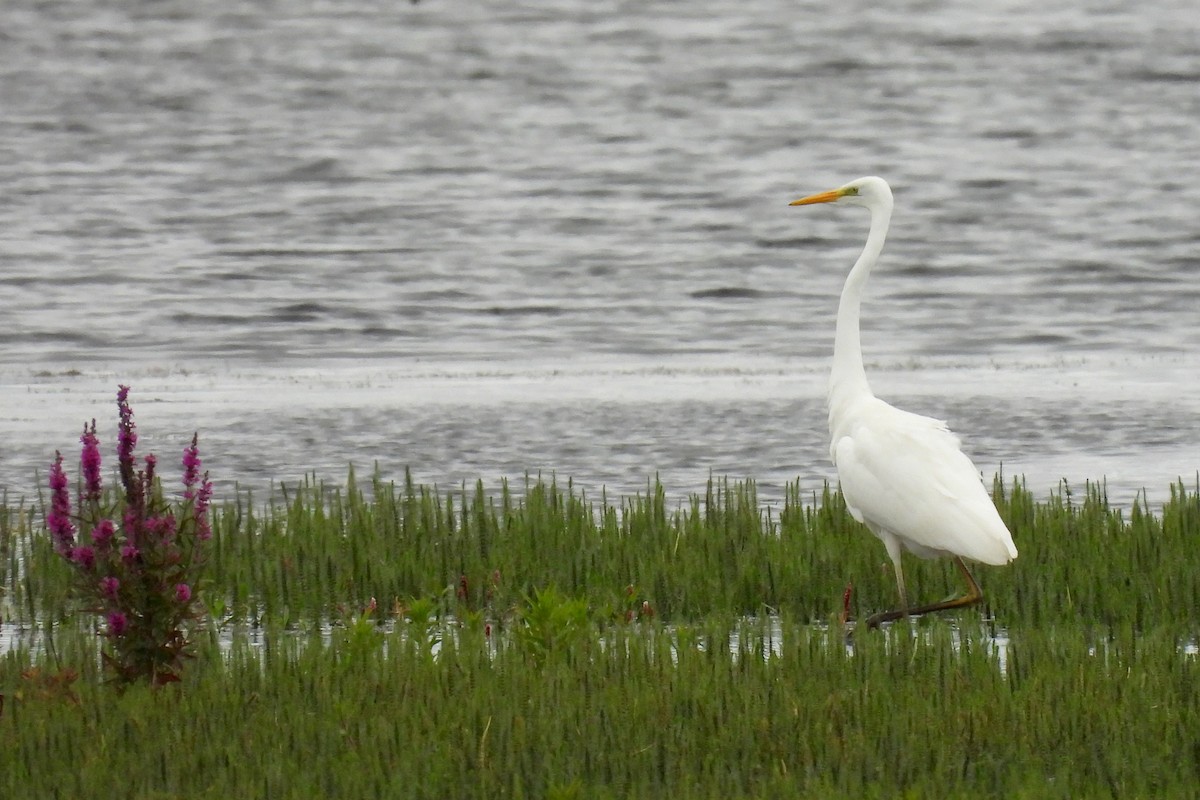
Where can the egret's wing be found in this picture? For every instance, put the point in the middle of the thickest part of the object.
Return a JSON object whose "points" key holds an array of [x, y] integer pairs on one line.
{"points": [[905, 473]]}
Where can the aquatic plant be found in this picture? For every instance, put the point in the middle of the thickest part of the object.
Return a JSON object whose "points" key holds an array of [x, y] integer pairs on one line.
{"points": [[501, 660], [551, 624], [139, 562], [628, 711]]}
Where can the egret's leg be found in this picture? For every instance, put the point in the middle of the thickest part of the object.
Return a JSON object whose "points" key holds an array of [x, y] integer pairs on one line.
{"points": [[974, 595], [899, 567], [894, 550]]}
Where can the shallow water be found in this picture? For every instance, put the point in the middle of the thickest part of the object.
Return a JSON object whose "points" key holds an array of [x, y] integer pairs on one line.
{"points": [[488, 240], [764, 636]]}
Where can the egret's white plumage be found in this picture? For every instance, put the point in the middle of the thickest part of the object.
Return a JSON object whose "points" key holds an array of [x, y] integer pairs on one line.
{"points": [[902, 474]]}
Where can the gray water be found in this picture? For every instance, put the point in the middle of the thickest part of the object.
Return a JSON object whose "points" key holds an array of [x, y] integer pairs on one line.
{"points": [[486, 239]]}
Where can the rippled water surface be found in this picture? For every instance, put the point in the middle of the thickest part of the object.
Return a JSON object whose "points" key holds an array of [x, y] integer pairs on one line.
{"points": [[485, 239]]}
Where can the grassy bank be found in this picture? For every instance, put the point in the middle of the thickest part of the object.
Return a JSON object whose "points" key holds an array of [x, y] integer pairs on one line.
{"points": [[543, 644]]}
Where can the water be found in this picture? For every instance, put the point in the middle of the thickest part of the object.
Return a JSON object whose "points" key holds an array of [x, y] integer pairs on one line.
{"points": [[765, 636], [501, 238]]}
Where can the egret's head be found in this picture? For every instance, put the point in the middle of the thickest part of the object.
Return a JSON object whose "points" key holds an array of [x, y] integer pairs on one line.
{"points": [[870, 192]]}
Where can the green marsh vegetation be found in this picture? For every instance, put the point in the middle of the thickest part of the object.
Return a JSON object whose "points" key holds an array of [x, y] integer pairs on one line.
{"points": [[391, 639]]}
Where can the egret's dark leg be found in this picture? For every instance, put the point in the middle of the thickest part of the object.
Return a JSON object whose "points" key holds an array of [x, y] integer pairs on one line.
{"points": [[974, 595]]}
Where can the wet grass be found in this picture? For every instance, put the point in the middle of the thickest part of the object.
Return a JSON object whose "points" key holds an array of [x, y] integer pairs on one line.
{"points": [[540, 643]]}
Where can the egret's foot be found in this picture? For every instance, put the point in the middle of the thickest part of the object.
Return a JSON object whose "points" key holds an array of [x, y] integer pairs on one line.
{"points": [[974, 595], [875, 620]]}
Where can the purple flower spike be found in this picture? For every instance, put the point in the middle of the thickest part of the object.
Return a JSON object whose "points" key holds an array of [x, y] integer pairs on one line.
{"points": [[118, 623], [183, 592], [102, 534], [84, 556], [126, 440], [163, 527], [59, 518], [133, 523], [200, 510], [191, 468], [129, 554], [90, 461], [147, 477], [109, 586]]}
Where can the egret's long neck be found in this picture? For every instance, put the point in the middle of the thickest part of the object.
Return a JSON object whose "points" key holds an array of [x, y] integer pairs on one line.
{"points": [[848, 380]]}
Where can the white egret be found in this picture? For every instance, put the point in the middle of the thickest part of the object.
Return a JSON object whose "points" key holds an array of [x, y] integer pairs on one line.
{"points": [[902, 474]]}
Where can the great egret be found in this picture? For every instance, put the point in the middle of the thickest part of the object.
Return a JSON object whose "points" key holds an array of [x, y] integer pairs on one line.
{"points": [[902, 474]]}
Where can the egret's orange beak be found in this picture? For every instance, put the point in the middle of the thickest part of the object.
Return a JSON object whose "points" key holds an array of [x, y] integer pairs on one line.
{"points": [[823, 197]]}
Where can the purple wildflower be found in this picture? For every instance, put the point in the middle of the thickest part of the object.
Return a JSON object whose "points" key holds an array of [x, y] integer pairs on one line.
{"points": [[59, 518], [90, 462], [191, 468], [126, 436], [147, 478], [163, 527], [84, 556], [102, 534], [133, 524], [200, 510], [137, 549], [199, 495], [135, 496]]}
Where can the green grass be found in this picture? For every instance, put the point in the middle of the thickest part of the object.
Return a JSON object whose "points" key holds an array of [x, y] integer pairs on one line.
{"points": [[544, 644]]}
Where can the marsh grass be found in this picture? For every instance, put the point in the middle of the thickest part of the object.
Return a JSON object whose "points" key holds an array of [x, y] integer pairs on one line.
{"points": [[640, 715], [542, 644]]}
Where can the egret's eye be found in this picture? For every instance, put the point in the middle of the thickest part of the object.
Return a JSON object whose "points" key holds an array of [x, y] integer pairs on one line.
{"points": [[852, 190]]}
